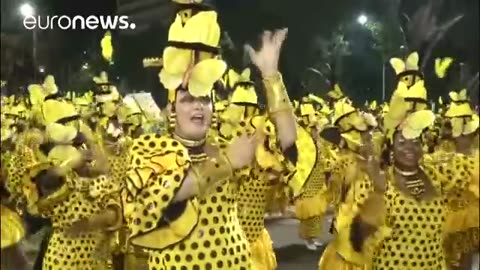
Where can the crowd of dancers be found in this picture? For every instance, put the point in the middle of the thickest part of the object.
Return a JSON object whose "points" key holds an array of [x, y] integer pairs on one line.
{"points": [[120, 189]]}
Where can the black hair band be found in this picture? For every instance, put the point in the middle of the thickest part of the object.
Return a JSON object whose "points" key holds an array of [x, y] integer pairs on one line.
{"points": [[195, 46]]}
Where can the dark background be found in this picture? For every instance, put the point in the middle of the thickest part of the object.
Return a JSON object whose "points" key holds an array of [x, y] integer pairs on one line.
{"points": [[310, 24]]}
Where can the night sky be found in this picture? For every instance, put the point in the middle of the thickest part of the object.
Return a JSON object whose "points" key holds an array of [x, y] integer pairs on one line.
{"points": [[245, 19]]}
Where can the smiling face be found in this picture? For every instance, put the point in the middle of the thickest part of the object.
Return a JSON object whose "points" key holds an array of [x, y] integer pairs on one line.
{"points": [[193, 116], [407, 153]]}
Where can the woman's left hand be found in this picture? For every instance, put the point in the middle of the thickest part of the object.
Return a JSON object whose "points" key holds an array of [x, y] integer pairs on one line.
{"points": [[79, 227], [266, 59]]}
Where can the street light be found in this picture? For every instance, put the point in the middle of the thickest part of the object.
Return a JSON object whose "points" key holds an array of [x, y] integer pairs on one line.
{"points": [[28, 10], [41, 69], [362, 19]]}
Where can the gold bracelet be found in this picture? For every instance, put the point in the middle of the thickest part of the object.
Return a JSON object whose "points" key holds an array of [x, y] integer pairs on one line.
{"points": [[276, 93]]}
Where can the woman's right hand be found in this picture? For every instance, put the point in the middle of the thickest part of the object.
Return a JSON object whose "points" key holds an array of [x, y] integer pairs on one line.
{"points": [[242, 150], [376, 174], [373, 166]]}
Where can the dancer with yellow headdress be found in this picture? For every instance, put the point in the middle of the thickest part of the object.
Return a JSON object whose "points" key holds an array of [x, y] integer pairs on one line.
{"points": [[462, 221], [310, 202], [395, 220], [240, 116], [59, 185], [191, 179]]}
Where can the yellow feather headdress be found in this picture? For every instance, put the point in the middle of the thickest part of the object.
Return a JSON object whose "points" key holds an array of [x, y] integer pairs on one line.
{"points": [[346, 117], [191, 61], [49, 85], [407, 111], [38, 93], [55, 115], [414, 124], [102, 79], [407, 70], [462, 118], [243, 88], [336, 93], [459, 105], [128, 110], [464, 125], [325, 109]]}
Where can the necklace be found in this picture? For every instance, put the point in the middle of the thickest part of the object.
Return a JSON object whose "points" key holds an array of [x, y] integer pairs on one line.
{"points": [[405, 173], [189, 143], [415, 186]]}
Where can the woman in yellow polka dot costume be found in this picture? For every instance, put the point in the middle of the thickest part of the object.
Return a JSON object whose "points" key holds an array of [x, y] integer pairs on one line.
{"points": [[183, 186], [60, 184], [271, 169], [400, 224], [347, 174], [462, 222], [310, 204], [12, 227]]}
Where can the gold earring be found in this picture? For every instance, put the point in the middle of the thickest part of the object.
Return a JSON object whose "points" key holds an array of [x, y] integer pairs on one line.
{"points": [[172, 121], [214, 121]]}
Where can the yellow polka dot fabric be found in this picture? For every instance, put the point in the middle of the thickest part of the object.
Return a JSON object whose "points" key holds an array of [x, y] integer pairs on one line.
{"points": [[215, 241]]}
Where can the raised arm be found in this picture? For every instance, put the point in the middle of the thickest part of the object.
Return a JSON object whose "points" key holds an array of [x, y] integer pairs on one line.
{"points": [[279, 106]]}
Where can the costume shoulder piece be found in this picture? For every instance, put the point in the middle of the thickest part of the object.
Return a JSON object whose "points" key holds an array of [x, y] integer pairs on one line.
{"points": [[158, 167], [153, 154]]}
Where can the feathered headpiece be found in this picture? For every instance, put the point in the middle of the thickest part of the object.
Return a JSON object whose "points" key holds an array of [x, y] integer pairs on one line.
{"points": [[463, 119], [423, 33], [190, 61]]}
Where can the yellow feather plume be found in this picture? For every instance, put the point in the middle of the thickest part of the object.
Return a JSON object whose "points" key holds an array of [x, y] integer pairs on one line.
{"points": [[460, 96], [400, 66], [178, 69], [442, 65], [107, 47], [416, 122], [336, 93]]}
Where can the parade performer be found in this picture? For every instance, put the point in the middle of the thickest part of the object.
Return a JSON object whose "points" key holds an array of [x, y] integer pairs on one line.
{"points": [[190, 179], [462, 221], [60, 184], [243, 114], [310, 205]]}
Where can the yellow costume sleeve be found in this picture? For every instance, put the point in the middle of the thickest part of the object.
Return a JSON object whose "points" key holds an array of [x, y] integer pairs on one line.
{"points": [[157, 170], [361, 220], [16, 171], [269, 157], [301, 165], [454, 171], [106, 192]]}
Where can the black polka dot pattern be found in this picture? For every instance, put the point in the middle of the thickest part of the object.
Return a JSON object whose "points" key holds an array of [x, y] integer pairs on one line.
{"points": [[68, 252], [311, 227], [77, 252], [251, 207], [418, 226], [416, 240], [216, 240]]}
